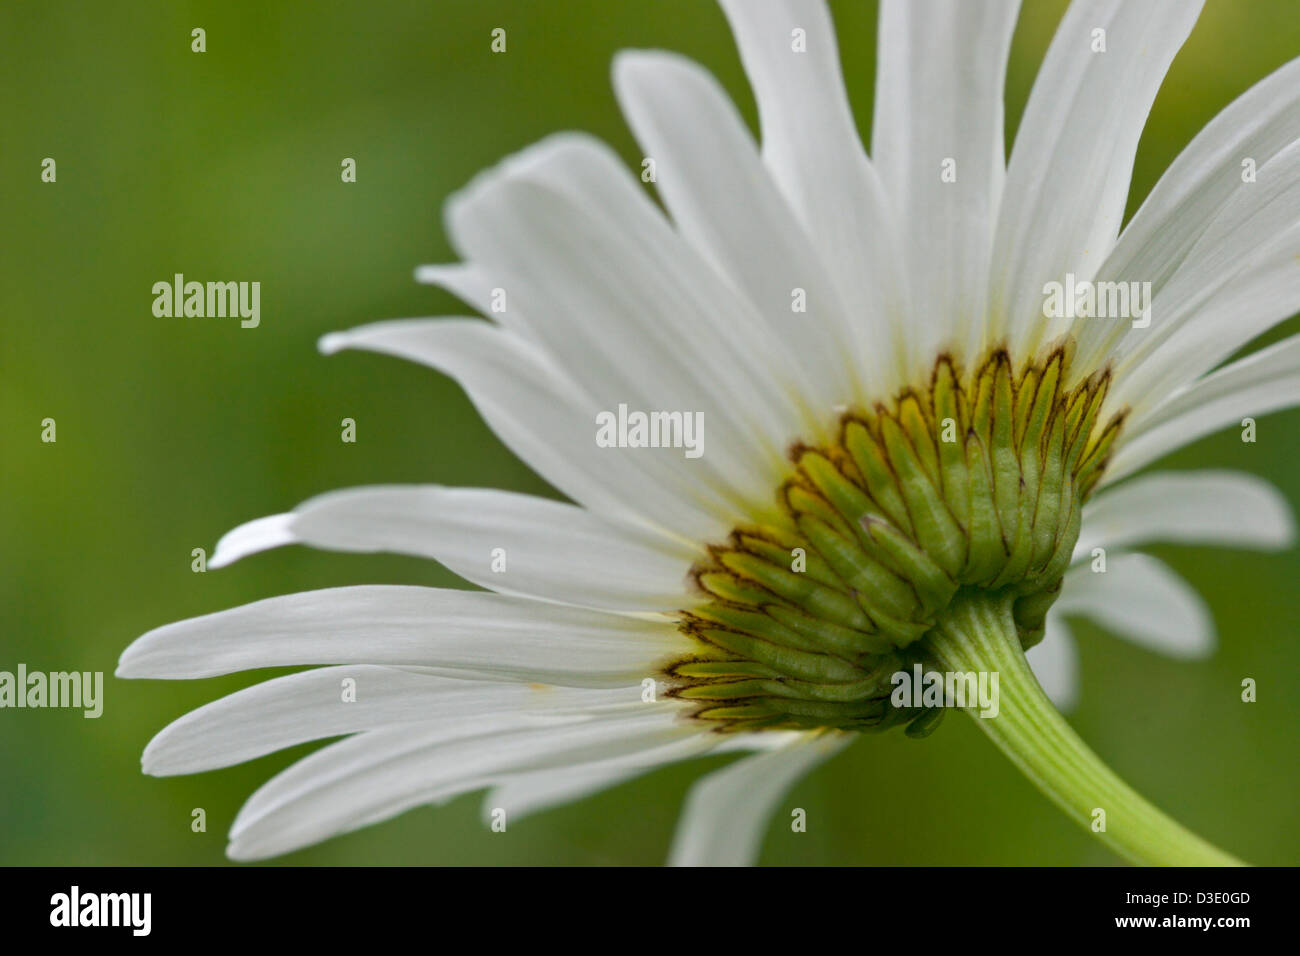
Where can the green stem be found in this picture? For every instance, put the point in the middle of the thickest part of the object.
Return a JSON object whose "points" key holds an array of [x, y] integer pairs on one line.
{"points": [[979, 634]]}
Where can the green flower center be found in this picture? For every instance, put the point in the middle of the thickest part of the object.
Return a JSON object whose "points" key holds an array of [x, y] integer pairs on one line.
{"points": [[972, 482]]}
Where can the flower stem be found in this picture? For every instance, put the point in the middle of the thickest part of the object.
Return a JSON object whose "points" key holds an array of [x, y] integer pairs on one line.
{"points": [[979, 634]]}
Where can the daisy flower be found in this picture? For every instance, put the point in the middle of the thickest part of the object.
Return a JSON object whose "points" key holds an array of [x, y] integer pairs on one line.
{"points": [[818, 428]]}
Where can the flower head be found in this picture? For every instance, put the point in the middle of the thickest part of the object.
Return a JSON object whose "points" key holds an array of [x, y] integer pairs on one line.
{"points": [[903, 455]]}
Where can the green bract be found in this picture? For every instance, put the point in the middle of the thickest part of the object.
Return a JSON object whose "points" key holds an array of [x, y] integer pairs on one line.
{"points": [[971, 483]]}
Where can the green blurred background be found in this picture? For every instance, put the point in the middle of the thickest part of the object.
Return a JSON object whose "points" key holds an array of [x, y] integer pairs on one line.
{"points": [[226, 165]]}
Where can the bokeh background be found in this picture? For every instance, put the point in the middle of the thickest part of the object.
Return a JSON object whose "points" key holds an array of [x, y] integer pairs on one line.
{"points": [[226, 165]]}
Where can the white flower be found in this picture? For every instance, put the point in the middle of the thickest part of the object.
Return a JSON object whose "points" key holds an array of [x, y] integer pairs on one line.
{"points": [[935, 246]]}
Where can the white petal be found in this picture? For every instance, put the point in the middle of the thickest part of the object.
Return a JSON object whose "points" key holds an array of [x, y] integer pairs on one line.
{"points": [[724, 201], [1140, 599], [1240, 279], [1262, 382], [811, 144], [532, 792], [727, 811], [942, 65], [523, 794], [1055, 662], [251, 537], [1068, 178], [548, 422], [754, 741], [1213, 507], [616, 296], [374, 776], [472, 284], [312, 705], [1194, 190], [528, 793], [471, 631], [507, 542]]}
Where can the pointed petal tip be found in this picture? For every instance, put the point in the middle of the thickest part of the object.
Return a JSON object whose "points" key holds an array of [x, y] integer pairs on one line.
{"points": [[139, 660], [150, 765], [434, 274], [128, 661], [241, 854], [1286, 523], [153, 759], [260, 534], [332, 342]]}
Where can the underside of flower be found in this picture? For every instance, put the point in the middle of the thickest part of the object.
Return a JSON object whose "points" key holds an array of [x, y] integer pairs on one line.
{"points": [[971, 483]]}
